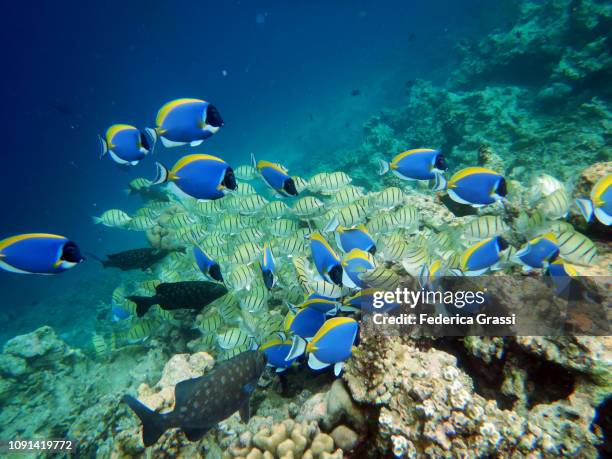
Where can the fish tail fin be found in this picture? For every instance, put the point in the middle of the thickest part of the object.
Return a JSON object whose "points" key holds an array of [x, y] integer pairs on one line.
{"points": [[103, 146], [586, 208], [440, 183], [96, 220], [97, 258], [383, 167], [162, 174], [297, 348], [253, 160], [153, 424], [143, 303], [152, 136], [332, 225]]}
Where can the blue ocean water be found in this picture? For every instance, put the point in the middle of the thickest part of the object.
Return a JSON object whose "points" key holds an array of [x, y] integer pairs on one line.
{"points": [[281, 73]]}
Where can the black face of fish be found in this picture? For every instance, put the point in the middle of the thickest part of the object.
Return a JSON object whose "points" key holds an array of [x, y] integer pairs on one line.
{"points": [[215, 272], [502, 189], [503, 244], [229, 181], [71, 253], [440, 163], [268, 278], [289, 187], [336, 275], [213, 117], [372, 250], [144, 141]]}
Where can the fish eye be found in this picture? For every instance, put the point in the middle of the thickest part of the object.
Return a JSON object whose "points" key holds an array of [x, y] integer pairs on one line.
{"points": [[213, 117]]}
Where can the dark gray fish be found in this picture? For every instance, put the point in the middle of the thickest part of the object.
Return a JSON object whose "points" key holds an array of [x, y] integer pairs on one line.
{"points": [[180, 295], [201, 403], [356, 92], [133, 259]]}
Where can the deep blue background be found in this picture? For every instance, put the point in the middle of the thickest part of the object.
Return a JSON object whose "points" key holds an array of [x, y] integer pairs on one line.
{"points": [[71, 69]]}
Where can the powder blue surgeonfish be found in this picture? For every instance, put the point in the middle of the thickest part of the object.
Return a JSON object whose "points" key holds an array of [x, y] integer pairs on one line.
{"points": [[187, 121], [209, 267], [355, 263], [277, 350], [332, 344], [38, 253], [268, 267], [199, 176], [304, 322], [325, 259], [599, 203], [475, 186], [127, 145], [275, 176], [324, 304], [418, 164], [538, 252], [355, 238], [481, 257]]}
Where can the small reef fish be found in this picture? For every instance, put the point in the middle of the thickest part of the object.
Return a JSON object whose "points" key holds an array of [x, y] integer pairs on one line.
{"points": [[200, 403], [199, 176], [364, 301], [304, 322], [380, 277], [180, 295], [599, 203], [485, 227], [113, 218], [474, 186], [275, 176], [482, 256], [419, 164], [209, 267], [355, 238], [268, 267], [246, 172], [232, 338], [538, 252], [355, 263], [576, 248], [325, 259], [331, 345], [127, 145], [38, 253], [556, 205], [276, 351], [187, 121], [141, 259]]}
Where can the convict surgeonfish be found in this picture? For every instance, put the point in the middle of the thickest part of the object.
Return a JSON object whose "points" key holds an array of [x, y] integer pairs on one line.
{"points": [[474, 186], [209, 267], [141, 259], [538, 252], [331, 345], [200, 403], [419, 164], [485, 227], [325, 259], [576, 248], [38, 253], [187, 121], [599, 203], [275, 176], [113, 218], [199, 176], [556, 205], [180, 295], [483, 256], [355, 238], [127, 145]]}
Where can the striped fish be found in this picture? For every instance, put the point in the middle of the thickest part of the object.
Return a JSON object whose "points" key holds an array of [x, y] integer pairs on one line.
{"points": [[245, 189], [316, 181], [414, 260], [99, 346], [576, 248], [208, 208], [347, 217], [407, 217], [209, 323], [241, 277], [255, 300], [382, 223], [232, 338], [302, 271], [556, 205], [307, 206], [347, 195], [300, 184], [231, 224], [249, 235], [250, 205], [388, 198], [245, 253], [113, 218], [485, 227], [292, 246], [333, 182], [179, 221], [275, 209], [283, 227], [141, 223], [326, 289], [380, 278], [245, 172]]}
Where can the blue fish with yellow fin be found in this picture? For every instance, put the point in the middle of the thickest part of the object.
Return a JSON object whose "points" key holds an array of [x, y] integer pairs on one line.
{"points": [[277, 350], [275, 176], [325, 259], [561, 275], [474, 186], [209, 267], [538, 252], [304, 322], [187, 121], [369, 300], [355, 238], [268, 266], [331, 345], [321, 303], [355, 263], [599, 203], [38, 253], [200, 176], [126, 145], [417, 164], [483, 256]]}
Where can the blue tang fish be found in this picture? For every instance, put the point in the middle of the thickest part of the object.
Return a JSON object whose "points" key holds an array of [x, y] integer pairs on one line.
{"points": [[481, 257], [418, 164], [599, 203], [561, 275], [538, 252], [275, 176], [321, 303], [367, 301], [305, 322], [355, 238], [355, 263], [38, 253], [277, 350], [209, 267], [199, 176], [268, 267], [187, 121], [332, 344], [126, 145], [325, 259], [475, 186]]}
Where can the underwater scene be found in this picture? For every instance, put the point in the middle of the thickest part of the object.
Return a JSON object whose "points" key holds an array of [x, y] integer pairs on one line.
{"points": [[271, 229]]}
